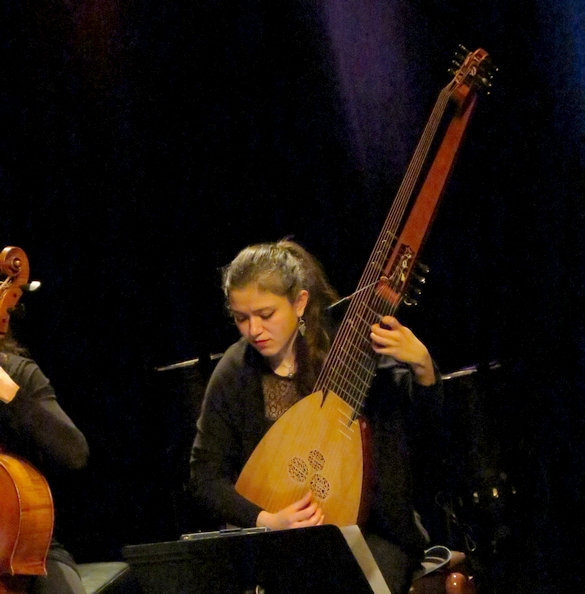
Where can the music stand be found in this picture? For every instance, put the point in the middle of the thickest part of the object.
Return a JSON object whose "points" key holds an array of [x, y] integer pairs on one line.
{"points": [[301, 561]]}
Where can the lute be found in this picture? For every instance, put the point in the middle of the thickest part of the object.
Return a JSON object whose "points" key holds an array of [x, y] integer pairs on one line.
{"points": [[320, 443]]}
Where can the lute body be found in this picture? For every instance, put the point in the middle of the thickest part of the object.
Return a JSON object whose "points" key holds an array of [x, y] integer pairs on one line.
{"points": [[323, 449]]}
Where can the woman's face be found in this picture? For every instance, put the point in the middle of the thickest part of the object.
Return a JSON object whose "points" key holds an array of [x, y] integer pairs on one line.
{"points": [[269, 322]]}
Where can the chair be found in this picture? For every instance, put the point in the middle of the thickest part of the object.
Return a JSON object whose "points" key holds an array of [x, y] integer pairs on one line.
{"points": [[110, 577]]}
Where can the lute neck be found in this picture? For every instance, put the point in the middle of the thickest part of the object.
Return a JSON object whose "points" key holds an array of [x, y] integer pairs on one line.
{"points": [[351, 364]]}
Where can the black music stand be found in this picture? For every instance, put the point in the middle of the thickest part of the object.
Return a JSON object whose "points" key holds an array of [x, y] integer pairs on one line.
{"points": [[314, 560]]}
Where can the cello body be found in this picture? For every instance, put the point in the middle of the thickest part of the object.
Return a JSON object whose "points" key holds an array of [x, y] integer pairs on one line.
{"points": [[26, 518]]}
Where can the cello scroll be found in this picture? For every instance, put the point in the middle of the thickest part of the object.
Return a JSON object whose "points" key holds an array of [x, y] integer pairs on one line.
{"points": [[14, 268]]}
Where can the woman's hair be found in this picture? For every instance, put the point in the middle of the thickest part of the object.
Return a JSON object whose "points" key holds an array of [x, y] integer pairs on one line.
{"points": [[9, 345], [285, 268]]}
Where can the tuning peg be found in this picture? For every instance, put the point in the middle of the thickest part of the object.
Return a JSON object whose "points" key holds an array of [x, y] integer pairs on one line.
{"points": [[457, 62], [17, 311], [461, 53], [486, 71], [412, 292], [409, 301], [30, 287], [411, 296]]}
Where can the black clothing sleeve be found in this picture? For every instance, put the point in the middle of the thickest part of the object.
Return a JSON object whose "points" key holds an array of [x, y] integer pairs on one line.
{"points": [[232, 423], [34, 426], [230, 426]]}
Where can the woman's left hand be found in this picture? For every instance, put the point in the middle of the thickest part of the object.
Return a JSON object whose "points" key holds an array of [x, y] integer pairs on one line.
{"points": [[390, 337]]}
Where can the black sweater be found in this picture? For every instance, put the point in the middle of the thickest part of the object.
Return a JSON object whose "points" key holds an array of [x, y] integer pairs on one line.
{"points": [[33, 426], [233, 421]]}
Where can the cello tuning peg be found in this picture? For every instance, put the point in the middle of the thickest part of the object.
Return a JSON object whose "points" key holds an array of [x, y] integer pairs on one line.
{"points": [[31, 287], [422, 268], [17, 311]]}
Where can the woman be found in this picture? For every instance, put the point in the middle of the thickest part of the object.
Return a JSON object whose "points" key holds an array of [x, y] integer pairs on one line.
{"points": [[279, 297], [33, 426]]}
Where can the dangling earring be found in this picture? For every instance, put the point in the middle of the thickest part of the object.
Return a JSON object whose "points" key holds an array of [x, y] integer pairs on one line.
{"points": [[302, 326]]}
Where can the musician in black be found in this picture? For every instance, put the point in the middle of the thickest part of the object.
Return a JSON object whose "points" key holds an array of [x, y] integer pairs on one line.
{"points": [[34, 427], [279, 296]]}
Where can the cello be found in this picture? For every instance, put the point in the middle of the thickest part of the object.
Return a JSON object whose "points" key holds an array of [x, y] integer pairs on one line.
{"points": [[26, 513], [320, 444]]}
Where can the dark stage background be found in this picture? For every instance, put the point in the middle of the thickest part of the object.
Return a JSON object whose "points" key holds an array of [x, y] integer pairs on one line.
{"points": [[143, 144]]}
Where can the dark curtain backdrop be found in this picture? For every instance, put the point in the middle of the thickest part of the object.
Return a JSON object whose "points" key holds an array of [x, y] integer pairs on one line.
{"points": [[143, 144]]}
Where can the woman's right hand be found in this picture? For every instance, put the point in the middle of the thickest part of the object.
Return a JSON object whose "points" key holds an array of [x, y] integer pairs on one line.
{"points": [[301, 514]]}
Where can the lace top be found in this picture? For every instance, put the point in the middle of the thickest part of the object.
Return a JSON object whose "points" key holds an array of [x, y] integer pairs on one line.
{"points": [[280, 393]]}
